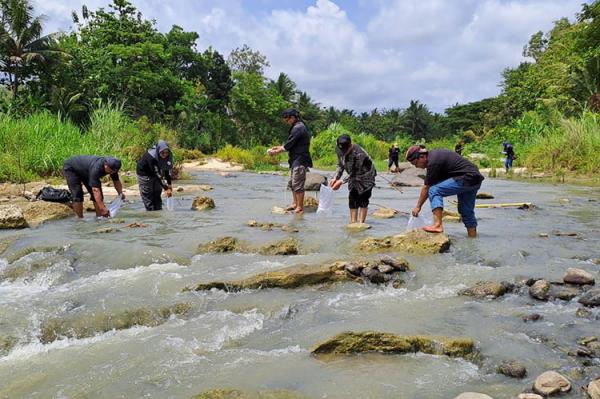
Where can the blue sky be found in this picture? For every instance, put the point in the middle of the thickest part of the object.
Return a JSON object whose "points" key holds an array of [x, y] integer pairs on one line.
{"points": [[362, 54]]}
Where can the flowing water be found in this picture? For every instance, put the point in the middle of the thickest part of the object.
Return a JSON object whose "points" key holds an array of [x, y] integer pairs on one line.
{"points": [[261, 339]]}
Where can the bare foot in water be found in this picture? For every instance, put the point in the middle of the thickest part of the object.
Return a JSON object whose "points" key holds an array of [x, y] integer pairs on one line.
{"points": [[299, 210], [433, 229]]}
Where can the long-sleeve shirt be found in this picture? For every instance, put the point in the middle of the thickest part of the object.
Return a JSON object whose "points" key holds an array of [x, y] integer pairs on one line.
{"points": [[359, 166], [298, 146], [148, 166]]}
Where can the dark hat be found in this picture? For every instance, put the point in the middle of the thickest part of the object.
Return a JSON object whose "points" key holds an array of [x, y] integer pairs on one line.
{"points": [[344, 141], [290, 112], [414, 151], [113, 163]]}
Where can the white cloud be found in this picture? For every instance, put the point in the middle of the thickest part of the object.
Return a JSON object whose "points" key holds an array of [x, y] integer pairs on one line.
{"points": [[440, 52]]}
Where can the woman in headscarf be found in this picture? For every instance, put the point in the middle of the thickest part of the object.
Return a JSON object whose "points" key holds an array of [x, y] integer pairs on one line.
{"points": [[154, 175]]}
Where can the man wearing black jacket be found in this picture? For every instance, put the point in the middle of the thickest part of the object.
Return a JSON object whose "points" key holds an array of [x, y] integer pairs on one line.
{"points": [[298, 148]]}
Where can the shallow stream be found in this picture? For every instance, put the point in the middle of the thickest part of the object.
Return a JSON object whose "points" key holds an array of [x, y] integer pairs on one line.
{"points": [[261, 339]]}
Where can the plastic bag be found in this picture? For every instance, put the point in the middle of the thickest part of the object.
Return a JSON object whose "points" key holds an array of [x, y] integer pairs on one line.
{"points": [[170, 203], [417, 222], [114, 206], [325, 200]]}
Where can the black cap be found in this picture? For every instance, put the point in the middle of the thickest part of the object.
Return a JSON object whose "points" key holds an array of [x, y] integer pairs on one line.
{"points": [[113, 163], [344, 141], [290, 112]]}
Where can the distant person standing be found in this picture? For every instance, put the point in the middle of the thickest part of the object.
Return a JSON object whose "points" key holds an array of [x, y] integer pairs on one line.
{"points": [[393, 155], [447, 174], [459, 147], [298, 148], [154, 174], [361, 176], [510, 155], [87, 170]]}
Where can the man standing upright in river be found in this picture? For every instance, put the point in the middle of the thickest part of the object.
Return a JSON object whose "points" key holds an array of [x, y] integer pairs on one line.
{"points": [[298, 148]]}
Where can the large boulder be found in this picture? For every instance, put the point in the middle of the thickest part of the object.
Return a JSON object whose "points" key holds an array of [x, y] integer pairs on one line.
{"points": [[551, 383], [485, 289], [411, 177], [202, 202], [237, 394], [593, 389], [374, 341], [540, 290], [591, 298], [313, 181], [38, 212], [89, 325], [578, 277], [11, 217], [413, 242], [473, 395]]}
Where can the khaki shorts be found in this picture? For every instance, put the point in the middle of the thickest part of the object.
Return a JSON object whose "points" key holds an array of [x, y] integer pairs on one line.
{"points": [[297, 179]]}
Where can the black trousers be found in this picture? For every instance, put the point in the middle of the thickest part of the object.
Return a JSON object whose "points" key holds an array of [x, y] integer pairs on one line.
{"points": [[150, 191], [356, 200]]}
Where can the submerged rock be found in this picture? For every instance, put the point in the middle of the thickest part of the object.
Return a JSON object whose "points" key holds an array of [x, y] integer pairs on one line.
{"points": [[22, 252], [473, 395], [310, 203], [89, 325], [451, 216], [564, 292], [414, 241], [38, 212], [550, 383], [529, 396], [6, 344], [540, 290], [358, 226], [385, 213], [485, 289], [373, 341], [591, 298], [593, 389], [484, 195], [578, 277], [202, 202], [7, 242], [512, 368], [25, 269], [287, 246], [11, 217], [223, 244], [237, 394]]}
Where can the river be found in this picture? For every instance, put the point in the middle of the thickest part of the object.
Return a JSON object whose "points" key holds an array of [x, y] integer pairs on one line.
{"points": [[261, 339]]}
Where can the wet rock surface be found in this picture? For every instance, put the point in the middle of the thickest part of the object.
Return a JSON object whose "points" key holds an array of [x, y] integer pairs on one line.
{"points": [[91, 324], [486, 289], [202, 202], [358, 226], [313, 181], [38, 212], [593, 389], [512, 368], [540, 290], [287, 246], [238, 394], [551, 383], [11, 217], [380, 342], [6, 344], [412, 242], [385, 213], [473, 395], [578, 277], [591, 298], [410, 177], [529, 396], [484, 195], [268, 226]]}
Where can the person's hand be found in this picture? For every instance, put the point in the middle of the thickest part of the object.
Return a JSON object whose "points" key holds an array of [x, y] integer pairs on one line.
{"points": [[416, 210], [104, 212], [336, 186], [169, 192], [123, 196], [331, 182]]}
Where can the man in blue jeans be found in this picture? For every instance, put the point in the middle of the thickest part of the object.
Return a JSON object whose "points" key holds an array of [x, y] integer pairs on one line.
{"points": [[447, 174]]}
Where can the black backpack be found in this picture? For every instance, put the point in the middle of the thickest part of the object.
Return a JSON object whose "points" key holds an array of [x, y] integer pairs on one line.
{"points": [[52, 194]]}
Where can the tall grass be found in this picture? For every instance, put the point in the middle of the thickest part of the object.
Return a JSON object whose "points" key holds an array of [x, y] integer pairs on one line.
{"points": [[252, 158]]}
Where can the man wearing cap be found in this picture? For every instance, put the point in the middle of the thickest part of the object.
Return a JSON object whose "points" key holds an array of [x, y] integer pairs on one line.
{"points": [[361, 176], [298, 148], [393, 155], [87, 170], [447, 174]]}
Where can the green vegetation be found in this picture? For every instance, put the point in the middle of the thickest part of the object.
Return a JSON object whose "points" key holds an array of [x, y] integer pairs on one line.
{"points": [[115, 84]]}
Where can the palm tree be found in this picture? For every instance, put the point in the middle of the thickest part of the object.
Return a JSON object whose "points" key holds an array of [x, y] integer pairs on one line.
{"points": [[284, 86], [416, 119], [21, 41]]}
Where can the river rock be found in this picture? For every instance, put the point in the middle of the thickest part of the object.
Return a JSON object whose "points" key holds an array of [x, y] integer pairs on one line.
{"points": [[484, 195], [202, 202], [529, 396], [583, 313], [398, 264], [6, 344], [289, 277], [38, 212], [18, 269], [385, 269], [7, 242], [89, 325], [313, 181], [473, 395], [512, 368], [385, 213], [414, 241], [451, 216], [411, 177], [540, 290], [223, 244], [11, 217], [551, 383], [591, 298], [287, 246], [564, 292], [485, 289], [311, 203], [593, 389], [358, 226], [374, 341], [237, 394], [578, 277]]}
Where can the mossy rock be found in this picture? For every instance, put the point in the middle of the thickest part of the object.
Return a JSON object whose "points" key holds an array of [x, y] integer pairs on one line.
{"points": [[311, 203], [201, 203], [22, 252], [287, 246], [379, 342], [89, 325], [412, 242], [238, 394], [6, 344], [485, 289], [223, 244]]}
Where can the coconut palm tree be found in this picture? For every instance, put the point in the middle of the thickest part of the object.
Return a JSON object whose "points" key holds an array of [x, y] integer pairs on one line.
{"points": [[21, 41], [285, 86]]}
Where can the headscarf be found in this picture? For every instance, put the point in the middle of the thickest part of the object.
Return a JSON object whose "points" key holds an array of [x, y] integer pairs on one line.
{"points": [[163, 164]]}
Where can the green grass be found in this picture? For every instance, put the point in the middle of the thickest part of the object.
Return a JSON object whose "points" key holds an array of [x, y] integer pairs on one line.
{"points": [[255, 158]]}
